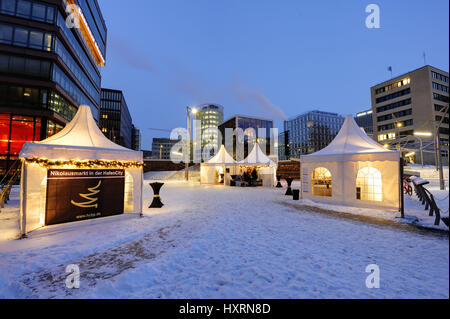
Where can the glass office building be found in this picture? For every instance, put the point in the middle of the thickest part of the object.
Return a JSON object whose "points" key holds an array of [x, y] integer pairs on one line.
{"points": [[311, 131], [135, 138], [115, 119], [47, 69], [251, 127], [364, 120], [209, 117]]}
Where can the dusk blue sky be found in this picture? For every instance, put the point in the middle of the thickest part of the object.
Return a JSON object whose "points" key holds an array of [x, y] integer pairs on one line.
{"points": [[262, 58]]}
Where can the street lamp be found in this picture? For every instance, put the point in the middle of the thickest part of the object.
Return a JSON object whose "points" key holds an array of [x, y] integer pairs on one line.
{"points": [[189, 110]]}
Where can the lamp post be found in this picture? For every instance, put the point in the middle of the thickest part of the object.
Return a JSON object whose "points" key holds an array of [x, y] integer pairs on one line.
{"points": [[189, 110]]}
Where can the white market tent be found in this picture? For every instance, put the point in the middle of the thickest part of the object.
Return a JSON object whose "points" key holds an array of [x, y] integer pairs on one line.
{"points": [[79, 144], [267, 168], [352, 170], [211, 170]]}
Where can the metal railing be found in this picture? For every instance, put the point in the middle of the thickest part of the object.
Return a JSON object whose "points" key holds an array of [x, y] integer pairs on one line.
{"points": [[7, 182], [426, 198]]}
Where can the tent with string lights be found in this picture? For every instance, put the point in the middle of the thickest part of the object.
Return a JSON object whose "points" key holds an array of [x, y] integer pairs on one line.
{"points": [[100, 177], [352, 170], [218, 169]]}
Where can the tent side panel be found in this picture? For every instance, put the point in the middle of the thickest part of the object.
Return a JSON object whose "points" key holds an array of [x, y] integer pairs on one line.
{"points": [[137, 174], [207, 174], [36, 190]]}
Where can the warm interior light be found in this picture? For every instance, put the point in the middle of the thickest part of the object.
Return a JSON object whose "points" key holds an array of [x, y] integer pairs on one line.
{"points": [[26, 94], [410, 154], [399, 124], [88, 36], [423, 133], [386, 145]]}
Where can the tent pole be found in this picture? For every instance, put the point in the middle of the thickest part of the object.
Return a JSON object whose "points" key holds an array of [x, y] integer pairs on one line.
{"points": [[402, 207], [23, 199], [141, 213]]}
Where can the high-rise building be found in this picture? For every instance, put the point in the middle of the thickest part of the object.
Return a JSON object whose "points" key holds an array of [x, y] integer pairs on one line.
{"points": [[410, 107], [283, 146], [209, 116], [251, 128], [47, 69], [135, 138], [364, 120], [162, 147], [312, 131], [115, 119]]}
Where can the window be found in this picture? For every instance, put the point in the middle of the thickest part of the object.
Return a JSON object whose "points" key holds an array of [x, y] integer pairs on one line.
{"points": [[25, 37], [368, 184], [6, 32], [321, 182], [38, 12], [440, 97], [393, 95], [22, 130], [21, 37], [393, 105], [7, 6], [29, 10], [36, 39], [23, 9], [439, 76], [440, 87]]}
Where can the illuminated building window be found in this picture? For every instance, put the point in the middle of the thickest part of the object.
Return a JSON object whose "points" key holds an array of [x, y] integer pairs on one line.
{"points": [[321, 182], [368, 184], [388, 136]]}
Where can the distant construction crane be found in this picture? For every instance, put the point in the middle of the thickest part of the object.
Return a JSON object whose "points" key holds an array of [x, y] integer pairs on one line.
{"points": [[159, 129]]}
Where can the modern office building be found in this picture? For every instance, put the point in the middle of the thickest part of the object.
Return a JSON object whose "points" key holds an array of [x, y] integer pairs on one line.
{"points": [[251, 128], [312, 131], [161, 148], [209, 116], [283, 146], [364, 120], [115, 119], [46, 69], [410, 107], [147, 154], [135, 138]]}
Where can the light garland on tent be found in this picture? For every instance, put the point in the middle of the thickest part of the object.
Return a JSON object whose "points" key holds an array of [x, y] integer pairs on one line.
{"points": [[46, 163]]}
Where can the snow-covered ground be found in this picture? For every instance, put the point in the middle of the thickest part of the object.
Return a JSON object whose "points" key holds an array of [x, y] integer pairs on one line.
{"points": [[224, 242]]}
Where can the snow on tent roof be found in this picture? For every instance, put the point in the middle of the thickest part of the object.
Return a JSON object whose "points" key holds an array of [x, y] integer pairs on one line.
{"points": [[222, 157], [257, 156], [81, 139], [351, 140]]}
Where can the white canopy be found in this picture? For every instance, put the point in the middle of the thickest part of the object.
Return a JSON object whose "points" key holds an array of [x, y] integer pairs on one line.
{"points": [[351, 142], [221, 158], [257, 157], [81, 139], [352, 170]]}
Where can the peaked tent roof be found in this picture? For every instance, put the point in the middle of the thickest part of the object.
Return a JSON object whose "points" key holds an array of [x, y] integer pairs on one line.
{"points": [[351, 140], [257, 157], [81, 139], [222, 157]]}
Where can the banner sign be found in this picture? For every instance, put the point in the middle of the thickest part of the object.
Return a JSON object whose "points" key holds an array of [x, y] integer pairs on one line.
{"points": [[78, 194]]}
